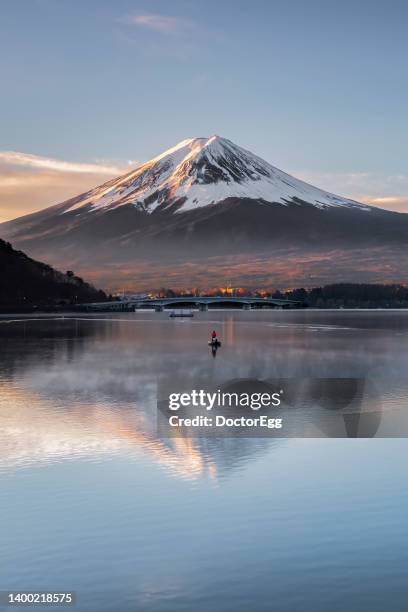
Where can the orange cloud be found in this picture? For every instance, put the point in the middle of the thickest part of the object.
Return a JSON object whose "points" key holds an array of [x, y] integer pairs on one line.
{"points": [[15, 158], [397, 203], [388, 191], [32, 182]]}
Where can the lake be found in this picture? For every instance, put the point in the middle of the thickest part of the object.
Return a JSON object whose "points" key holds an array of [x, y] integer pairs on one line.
{"points": [[94, 501]]}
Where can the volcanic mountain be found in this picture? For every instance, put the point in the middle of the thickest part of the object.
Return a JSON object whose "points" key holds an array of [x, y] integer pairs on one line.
{"points": [[208, 210]]}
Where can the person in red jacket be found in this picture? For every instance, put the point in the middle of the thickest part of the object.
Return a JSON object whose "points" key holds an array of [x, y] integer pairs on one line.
{"points": [[214, 343]]}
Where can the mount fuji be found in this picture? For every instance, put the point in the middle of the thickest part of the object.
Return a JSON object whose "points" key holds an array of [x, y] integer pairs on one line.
{"points": [[206, 210], [198, 172]]}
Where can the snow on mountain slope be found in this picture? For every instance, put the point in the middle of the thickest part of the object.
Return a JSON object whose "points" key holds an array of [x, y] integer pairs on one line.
{"points": [[202, 171]]}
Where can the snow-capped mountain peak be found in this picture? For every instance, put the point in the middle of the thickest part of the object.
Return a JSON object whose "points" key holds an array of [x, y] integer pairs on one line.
{"points": [[198, 172]]}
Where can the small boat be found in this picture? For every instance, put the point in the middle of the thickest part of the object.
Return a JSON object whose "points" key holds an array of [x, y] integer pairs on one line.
{"points": [[215, 342], [181, 313]]}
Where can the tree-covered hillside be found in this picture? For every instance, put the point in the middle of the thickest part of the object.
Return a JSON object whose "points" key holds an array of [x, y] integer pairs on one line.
{"points": [[26, 283]]}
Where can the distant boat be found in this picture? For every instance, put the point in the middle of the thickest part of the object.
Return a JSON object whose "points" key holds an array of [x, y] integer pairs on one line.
{"points": [[181, 313]]}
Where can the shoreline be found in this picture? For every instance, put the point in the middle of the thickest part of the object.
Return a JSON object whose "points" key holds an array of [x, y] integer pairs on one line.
{"points": [[69, 314]]}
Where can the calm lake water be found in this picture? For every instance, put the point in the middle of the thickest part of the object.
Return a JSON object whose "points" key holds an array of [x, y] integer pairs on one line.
{"points": [[94, 501]]}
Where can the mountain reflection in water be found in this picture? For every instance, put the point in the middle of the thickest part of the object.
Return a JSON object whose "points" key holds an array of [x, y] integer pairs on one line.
{"points": [[95, 501], [86, 387]]}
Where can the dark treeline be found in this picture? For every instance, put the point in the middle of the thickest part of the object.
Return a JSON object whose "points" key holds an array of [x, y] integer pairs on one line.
{"points": [[26, 284], [339, 295], [351, 295]]}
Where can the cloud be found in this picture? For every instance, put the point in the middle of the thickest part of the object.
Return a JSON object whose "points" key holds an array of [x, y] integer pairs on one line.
{"points": [[15, 158], [398, 204], [389, 191], [164, 24], [32, 182], [174, 37]]}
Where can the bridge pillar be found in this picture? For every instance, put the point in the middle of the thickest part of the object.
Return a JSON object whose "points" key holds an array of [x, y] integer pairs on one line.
{"points": [[159, 308], [203, 307]]}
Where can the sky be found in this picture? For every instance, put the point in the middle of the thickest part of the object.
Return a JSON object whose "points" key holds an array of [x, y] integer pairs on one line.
{"points": [[91, 88]]}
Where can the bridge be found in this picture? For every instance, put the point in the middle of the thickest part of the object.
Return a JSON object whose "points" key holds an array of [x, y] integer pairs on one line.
{"points": [[201, 303]]}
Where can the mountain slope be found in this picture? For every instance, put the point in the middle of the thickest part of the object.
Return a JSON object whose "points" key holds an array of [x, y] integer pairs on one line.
{"points": [[204, 198], [198, 172], [24, 282]]}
